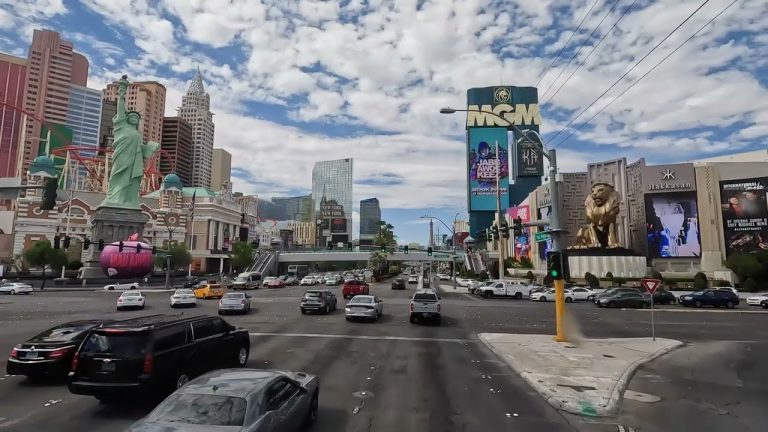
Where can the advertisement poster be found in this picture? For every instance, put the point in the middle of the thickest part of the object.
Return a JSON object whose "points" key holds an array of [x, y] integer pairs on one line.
{"points": [[545, 246], [745, 214], [523, 241], [483, 166], [338, 225], [672, 225], [529, 162]]}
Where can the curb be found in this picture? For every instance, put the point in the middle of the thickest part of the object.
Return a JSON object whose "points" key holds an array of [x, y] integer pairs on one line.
{"points": [[616, 396]]}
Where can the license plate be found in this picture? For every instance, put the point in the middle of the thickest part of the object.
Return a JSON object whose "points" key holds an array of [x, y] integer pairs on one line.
{"points": [[30, 354], [108, 366]]}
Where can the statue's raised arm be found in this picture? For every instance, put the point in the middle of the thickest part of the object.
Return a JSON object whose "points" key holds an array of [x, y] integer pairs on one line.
{"points": [[121, 90]]}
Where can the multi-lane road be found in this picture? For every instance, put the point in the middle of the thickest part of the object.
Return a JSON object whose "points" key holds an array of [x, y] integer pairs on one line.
{"points": [[393, 375]]}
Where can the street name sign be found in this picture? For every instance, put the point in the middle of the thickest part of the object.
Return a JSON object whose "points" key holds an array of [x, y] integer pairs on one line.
{"points": [[542, 236]]}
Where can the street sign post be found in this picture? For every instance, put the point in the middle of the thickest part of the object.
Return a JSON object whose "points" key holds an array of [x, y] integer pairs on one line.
{"points": [[651, 285], [542, 236]]}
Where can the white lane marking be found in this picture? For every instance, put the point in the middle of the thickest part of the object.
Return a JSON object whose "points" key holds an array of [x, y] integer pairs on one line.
{"points": [[342, 336]]}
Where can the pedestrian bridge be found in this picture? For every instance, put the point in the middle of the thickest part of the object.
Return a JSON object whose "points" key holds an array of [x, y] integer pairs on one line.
{"points": [[331, 256]]}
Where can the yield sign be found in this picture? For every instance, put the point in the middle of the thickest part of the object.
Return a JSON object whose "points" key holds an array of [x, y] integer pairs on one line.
{"points": [[650, 285]]}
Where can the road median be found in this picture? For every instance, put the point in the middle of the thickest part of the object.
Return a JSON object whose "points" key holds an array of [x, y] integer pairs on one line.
{"points": [[585, 378]]}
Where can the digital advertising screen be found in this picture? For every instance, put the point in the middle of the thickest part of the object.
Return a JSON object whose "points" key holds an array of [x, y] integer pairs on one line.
{"points": [[483, 166], [672, 225], [338, 225], [744, 205]]}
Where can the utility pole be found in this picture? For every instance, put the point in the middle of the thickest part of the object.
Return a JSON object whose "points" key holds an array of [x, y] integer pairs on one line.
{"points": [[498, 210]]}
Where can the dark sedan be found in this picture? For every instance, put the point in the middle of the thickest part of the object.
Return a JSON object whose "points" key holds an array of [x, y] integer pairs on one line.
{"points": [[398, 284], [249, 400], [664, 298], [625, 300], [610, 292], [710, 297], [49, 354]]}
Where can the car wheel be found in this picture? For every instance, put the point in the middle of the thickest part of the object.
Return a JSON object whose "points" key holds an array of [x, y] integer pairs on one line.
{"points": [[12, 292], [348, 318], [438, 321], [313, 410], [108, 400], [412, 319], [697, 304], [327, 309], [568, 300], [645, 305], [181, 380], [221, 313], [542, 299], [730, 305], [119, 308], [110, 288], [303, 311], [242, 356], [764, 305], [611, 304], [518, 296]]}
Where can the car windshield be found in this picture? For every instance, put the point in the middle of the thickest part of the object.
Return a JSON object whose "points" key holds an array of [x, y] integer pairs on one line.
{"points": [[361, 299], [241, 279], [698, 293], [312, 294], [116, 343], [425, 297], [183, 292], [201, 409], [131, 294], [62, 333], [234, 296]]}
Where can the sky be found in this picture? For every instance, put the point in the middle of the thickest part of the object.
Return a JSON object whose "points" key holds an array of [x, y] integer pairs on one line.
{"points": [[294, 82]]}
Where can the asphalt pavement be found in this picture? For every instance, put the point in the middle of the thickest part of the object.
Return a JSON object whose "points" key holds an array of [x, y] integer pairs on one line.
{"points": [[389, 375]]}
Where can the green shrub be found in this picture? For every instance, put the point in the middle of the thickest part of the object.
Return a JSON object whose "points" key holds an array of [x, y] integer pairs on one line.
{"points": [[592, 280], [750, 285], [74, 265], [483, 275], [526, 262], [619, 281], [721, 283], [656, 275], [699, 283], [609, 276], [530, 276]]}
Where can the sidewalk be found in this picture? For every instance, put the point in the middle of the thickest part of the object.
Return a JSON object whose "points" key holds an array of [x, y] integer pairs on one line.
{"points": [[588, 378]]}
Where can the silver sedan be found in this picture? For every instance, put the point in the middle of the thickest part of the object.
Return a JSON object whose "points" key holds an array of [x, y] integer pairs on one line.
{"points": [[251, 400], [364, 306]]}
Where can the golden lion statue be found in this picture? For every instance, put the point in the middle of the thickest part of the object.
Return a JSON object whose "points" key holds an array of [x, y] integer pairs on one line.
{"points": [[602, 206]]}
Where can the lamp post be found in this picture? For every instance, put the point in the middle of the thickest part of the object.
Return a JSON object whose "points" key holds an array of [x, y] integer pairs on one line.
{"points": [[319, 225], [171, 223], [554, 222], [453, 234]]}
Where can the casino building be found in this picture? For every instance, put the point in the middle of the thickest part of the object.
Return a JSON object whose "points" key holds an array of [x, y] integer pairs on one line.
{"points": [[683, 218]]}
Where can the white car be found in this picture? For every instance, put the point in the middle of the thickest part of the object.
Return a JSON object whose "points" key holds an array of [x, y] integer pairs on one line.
{"points": [[183, 297], [121, 286], [444, 276], [580, 293], [13, 288], [729, 288], [267, 280], [758, 300], [130, 299], [549, 295], [413, 279], [307, 281], [464, 282]]}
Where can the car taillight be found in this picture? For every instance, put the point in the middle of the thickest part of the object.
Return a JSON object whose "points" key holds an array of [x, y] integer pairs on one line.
{"points": [[119, 300], [75, 360], [242, 301], [15, 352], [60, 352], [148, 363], [411, 307]]}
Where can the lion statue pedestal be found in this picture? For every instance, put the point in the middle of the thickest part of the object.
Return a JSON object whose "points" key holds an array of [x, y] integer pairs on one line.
{"points": [[597, 249]]}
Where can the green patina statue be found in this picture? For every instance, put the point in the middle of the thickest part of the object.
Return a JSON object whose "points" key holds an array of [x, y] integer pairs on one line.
{"points": [[129, 156]]}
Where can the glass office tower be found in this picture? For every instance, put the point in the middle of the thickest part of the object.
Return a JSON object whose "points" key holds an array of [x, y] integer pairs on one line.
{"points": [[332, 201]]}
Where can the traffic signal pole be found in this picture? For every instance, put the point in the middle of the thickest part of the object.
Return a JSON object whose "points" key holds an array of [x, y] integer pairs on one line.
{"points": [[555, 227]]}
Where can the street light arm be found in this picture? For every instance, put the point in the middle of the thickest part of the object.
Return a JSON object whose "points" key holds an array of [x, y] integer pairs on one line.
{"points": [[441, 221], [539, 145]]}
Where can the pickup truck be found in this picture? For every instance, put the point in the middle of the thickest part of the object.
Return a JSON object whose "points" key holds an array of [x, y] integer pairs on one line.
{"points": [[425, 305], [353, 288], [505, 289]]}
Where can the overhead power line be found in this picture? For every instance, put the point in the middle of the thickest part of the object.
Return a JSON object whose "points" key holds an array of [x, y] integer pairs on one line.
{"points": [[566, 43], [583, 44], [590, 52], [628, 71], [647, 73]]}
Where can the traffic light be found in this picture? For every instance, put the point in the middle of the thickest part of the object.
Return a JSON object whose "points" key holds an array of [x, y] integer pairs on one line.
{"points": [[482, 236], [86, 244], [120, 246], [50, 185], [429, 251], [557, 265], [101, 244], [138, 247], [383, 248], [66, 242], [517, 226], [504, 229], [405, 249], [56, 242], [349, 246], [495, 232]]}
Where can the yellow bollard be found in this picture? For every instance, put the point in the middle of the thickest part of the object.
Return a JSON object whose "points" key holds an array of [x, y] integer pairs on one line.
{"points": [[560, 310]]}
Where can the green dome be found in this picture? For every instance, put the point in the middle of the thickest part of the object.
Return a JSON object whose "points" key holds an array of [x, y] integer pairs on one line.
{"points": [[172, 182], [43, 166]]}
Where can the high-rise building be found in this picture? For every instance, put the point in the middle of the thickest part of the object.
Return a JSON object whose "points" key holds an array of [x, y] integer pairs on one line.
{"points": [[13, 72], [84, 115], [196, 109], [332, 196], [177, 143], [148, 99], [106, 128], [297, 208], [52, 67], [221, 168], [370, 216]]}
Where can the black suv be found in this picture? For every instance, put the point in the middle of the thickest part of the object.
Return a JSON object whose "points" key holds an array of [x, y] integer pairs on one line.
{"points": [[154, 355], [398, 283]]}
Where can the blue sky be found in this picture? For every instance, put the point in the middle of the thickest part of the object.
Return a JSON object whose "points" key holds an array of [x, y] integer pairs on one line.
{"points": [[293, 82]]}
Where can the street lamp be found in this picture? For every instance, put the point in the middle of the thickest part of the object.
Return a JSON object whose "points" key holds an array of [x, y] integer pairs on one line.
{"points": [[171, 223], [453, 234], [554, 222]]}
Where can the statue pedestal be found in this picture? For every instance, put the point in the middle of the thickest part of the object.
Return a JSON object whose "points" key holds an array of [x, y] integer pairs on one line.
{"points": [[111, 224], [620, 262]]}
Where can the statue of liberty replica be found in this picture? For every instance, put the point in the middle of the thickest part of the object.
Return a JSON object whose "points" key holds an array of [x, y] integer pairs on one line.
{"points": [[120, 216], [129, 156]]}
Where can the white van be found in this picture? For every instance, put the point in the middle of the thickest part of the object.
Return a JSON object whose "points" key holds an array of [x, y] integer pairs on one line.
{"points": [[247, 280]]}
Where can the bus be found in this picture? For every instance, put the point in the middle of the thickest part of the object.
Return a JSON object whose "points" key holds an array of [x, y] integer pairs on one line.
{"points": [[298, 271]]}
